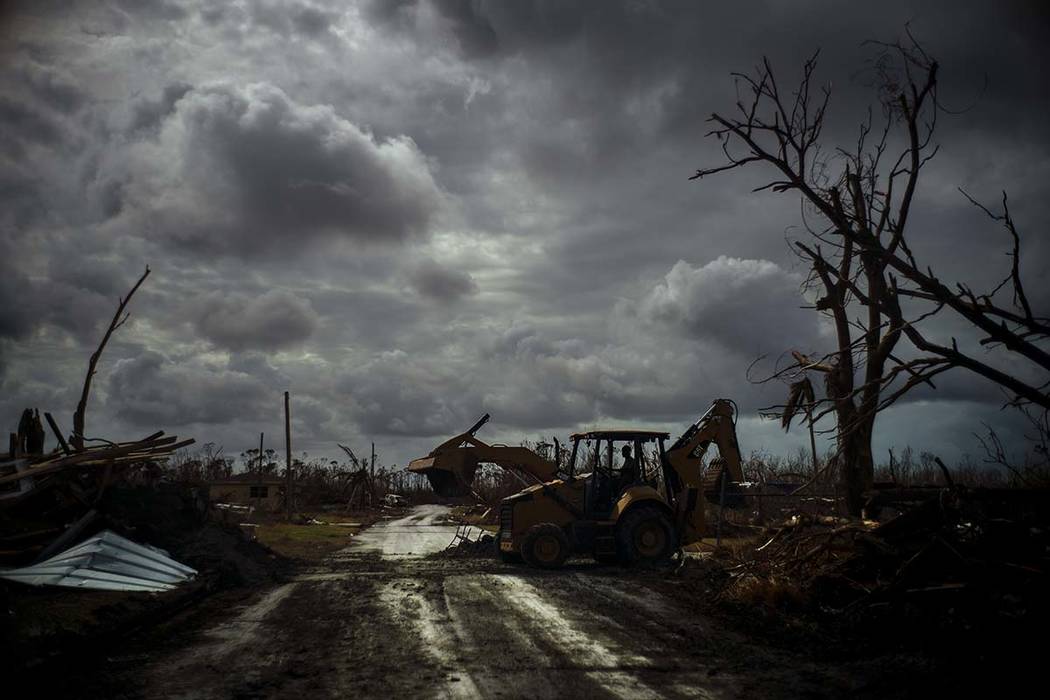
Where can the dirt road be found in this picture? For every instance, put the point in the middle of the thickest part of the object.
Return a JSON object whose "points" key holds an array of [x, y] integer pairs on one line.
{"points": [[386, 618]]}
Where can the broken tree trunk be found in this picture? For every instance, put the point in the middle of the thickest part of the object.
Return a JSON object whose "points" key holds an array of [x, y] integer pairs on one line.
{"points": [[119, 318]]}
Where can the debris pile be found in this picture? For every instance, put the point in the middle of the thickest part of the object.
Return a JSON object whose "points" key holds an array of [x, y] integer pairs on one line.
{"points": [[959, 552], [470, 541], [49, 501], [106, 561]]}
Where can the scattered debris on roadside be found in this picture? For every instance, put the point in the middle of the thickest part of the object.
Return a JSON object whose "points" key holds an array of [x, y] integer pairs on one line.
{"points": [[471, 541], [106, 561], [48, 502], [959, 558]]}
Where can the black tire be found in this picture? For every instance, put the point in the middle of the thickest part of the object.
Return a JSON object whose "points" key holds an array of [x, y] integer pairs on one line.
{"points": [[645, 537], [545, 546]]}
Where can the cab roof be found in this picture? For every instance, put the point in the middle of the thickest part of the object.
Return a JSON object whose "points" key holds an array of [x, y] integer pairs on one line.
{"points": [[643, 435]]}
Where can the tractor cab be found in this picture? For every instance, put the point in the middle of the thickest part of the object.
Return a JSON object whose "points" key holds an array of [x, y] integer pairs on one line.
{"points": [[613, 461]]}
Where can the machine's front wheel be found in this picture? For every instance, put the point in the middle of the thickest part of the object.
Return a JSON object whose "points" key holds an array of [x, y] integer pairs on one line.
{"points": [[545, 546], [645, 537]]}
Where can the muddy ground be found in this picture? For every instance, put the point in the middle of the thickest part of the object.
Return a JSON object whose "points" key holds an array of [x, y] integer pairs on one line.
{"points": [[387, 618]]}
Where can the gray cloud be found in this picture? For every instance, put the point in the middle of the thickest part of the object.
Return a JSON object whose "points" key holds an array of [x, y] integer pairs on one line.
{"points": [[150, 390], [254, 169], [274, 320], [52, 88], [748, 305], [462, 207], [432, 281], [26, 123], [147, 115], [16, 320]]}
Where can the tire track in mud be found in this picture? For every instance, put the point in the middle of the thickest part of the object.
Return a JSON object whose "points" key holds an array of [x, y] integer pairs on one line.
{"points": [[407, 603], [660, 645], [528, 635], [222, 652], [369, 623]]}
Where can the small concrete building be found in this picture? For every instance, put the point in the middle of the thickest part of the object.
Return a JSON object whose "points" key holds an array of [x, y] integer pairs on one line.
{"points": [[248, 490]]}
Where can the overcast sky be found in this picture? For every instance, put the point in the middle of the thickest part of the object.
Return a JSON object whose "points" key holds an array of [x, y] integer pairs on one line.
{"points": [[412, 213]]}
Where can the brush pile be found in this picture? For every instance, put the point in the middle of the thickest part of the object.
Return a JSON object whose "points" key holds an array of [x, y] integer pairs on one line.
{"points": [[957, 552]]}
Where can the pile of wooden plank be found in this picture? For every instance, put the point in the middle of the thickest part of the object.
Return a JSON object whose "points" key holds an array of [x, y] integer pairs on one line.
{"points": [[49, 501]]}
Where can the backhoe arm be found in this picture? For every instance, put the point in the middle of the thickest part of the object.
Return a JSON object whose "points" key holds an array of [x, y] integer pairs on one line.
{"points": [[685, 459], [717, 426]]}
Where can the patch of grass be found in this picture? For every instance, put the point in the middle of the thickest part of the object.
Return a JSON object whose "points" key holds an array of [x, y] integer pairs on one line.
{"points": [[306, 542]]}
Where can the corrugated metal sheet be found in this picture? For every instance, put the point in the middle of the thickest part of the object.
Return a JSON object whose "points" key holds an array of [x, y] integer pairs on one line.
{"points": [[106, 561]]}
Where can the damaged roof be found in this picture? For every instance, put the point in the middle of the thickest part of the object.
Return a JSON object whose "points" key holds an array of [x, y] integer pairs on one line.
{"points": [[106, 561]]}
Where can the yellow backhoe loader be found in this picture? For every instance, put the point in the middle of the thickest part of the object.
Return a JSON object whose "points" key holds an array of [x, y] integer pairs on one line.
{"points": [[639, 510]]}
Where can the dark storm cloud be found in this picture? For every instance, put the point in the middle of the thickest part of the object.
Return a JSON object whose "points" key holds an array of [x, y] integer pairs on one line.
{"points": [[21, 199], [399, 394], [288, 18], [256, 169], [752, 306], [432, 281], [16, 320], [52, 88], [157, 9], [148, 114], [24, 123], [150, 391], [472, 29], [274, 320], [462, 206]]}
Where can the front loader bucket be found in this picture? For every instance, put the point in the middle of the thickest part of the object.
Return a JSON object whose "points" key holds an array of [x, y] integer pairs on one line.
{"points": [[449, 474]]}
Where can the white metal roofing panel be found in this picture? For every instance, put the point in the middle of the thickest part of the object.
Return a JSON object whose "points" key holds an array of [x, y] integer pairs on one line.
{"points": [[106, 561]]}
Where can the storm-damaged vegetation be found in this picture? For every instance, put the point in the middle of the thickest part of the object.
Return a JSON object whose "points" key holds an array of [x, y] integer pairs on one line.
{"points": [[864, 277]]}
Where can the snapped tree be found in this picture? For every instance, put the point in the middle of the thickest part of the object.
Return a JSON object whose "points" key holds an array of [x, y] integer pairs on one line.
{"points": [[857, 203], [119, 319]]}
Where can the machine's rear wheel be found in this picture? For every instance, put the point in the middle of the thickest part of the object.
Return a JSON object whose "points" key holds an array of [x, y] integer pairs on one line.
{"points": [[644, 537], [545, 546]]}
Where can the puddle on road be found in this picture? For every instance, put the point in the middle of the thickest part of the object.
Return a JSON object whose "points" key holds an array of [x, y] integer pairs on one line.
{"points": [[418, 534]]}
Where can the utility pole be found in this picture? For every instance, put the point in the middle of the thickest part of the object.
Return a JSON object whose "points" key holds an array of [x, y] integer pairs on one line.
{"points": [[288, 459], [259, 473], [373, 461]]}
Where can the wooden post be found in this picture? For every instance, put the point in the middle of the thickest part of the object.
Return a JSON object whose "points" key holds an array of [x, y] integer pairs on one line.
{"points": [[288, 460], [259, 471], [58, 433], [372, 479]]}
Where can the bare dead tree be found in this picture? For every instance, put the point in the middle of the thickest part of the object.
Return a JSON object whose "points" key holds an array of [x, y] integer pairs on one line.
{"points": [[1034, 470], [856, 207], [119, 319]]}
